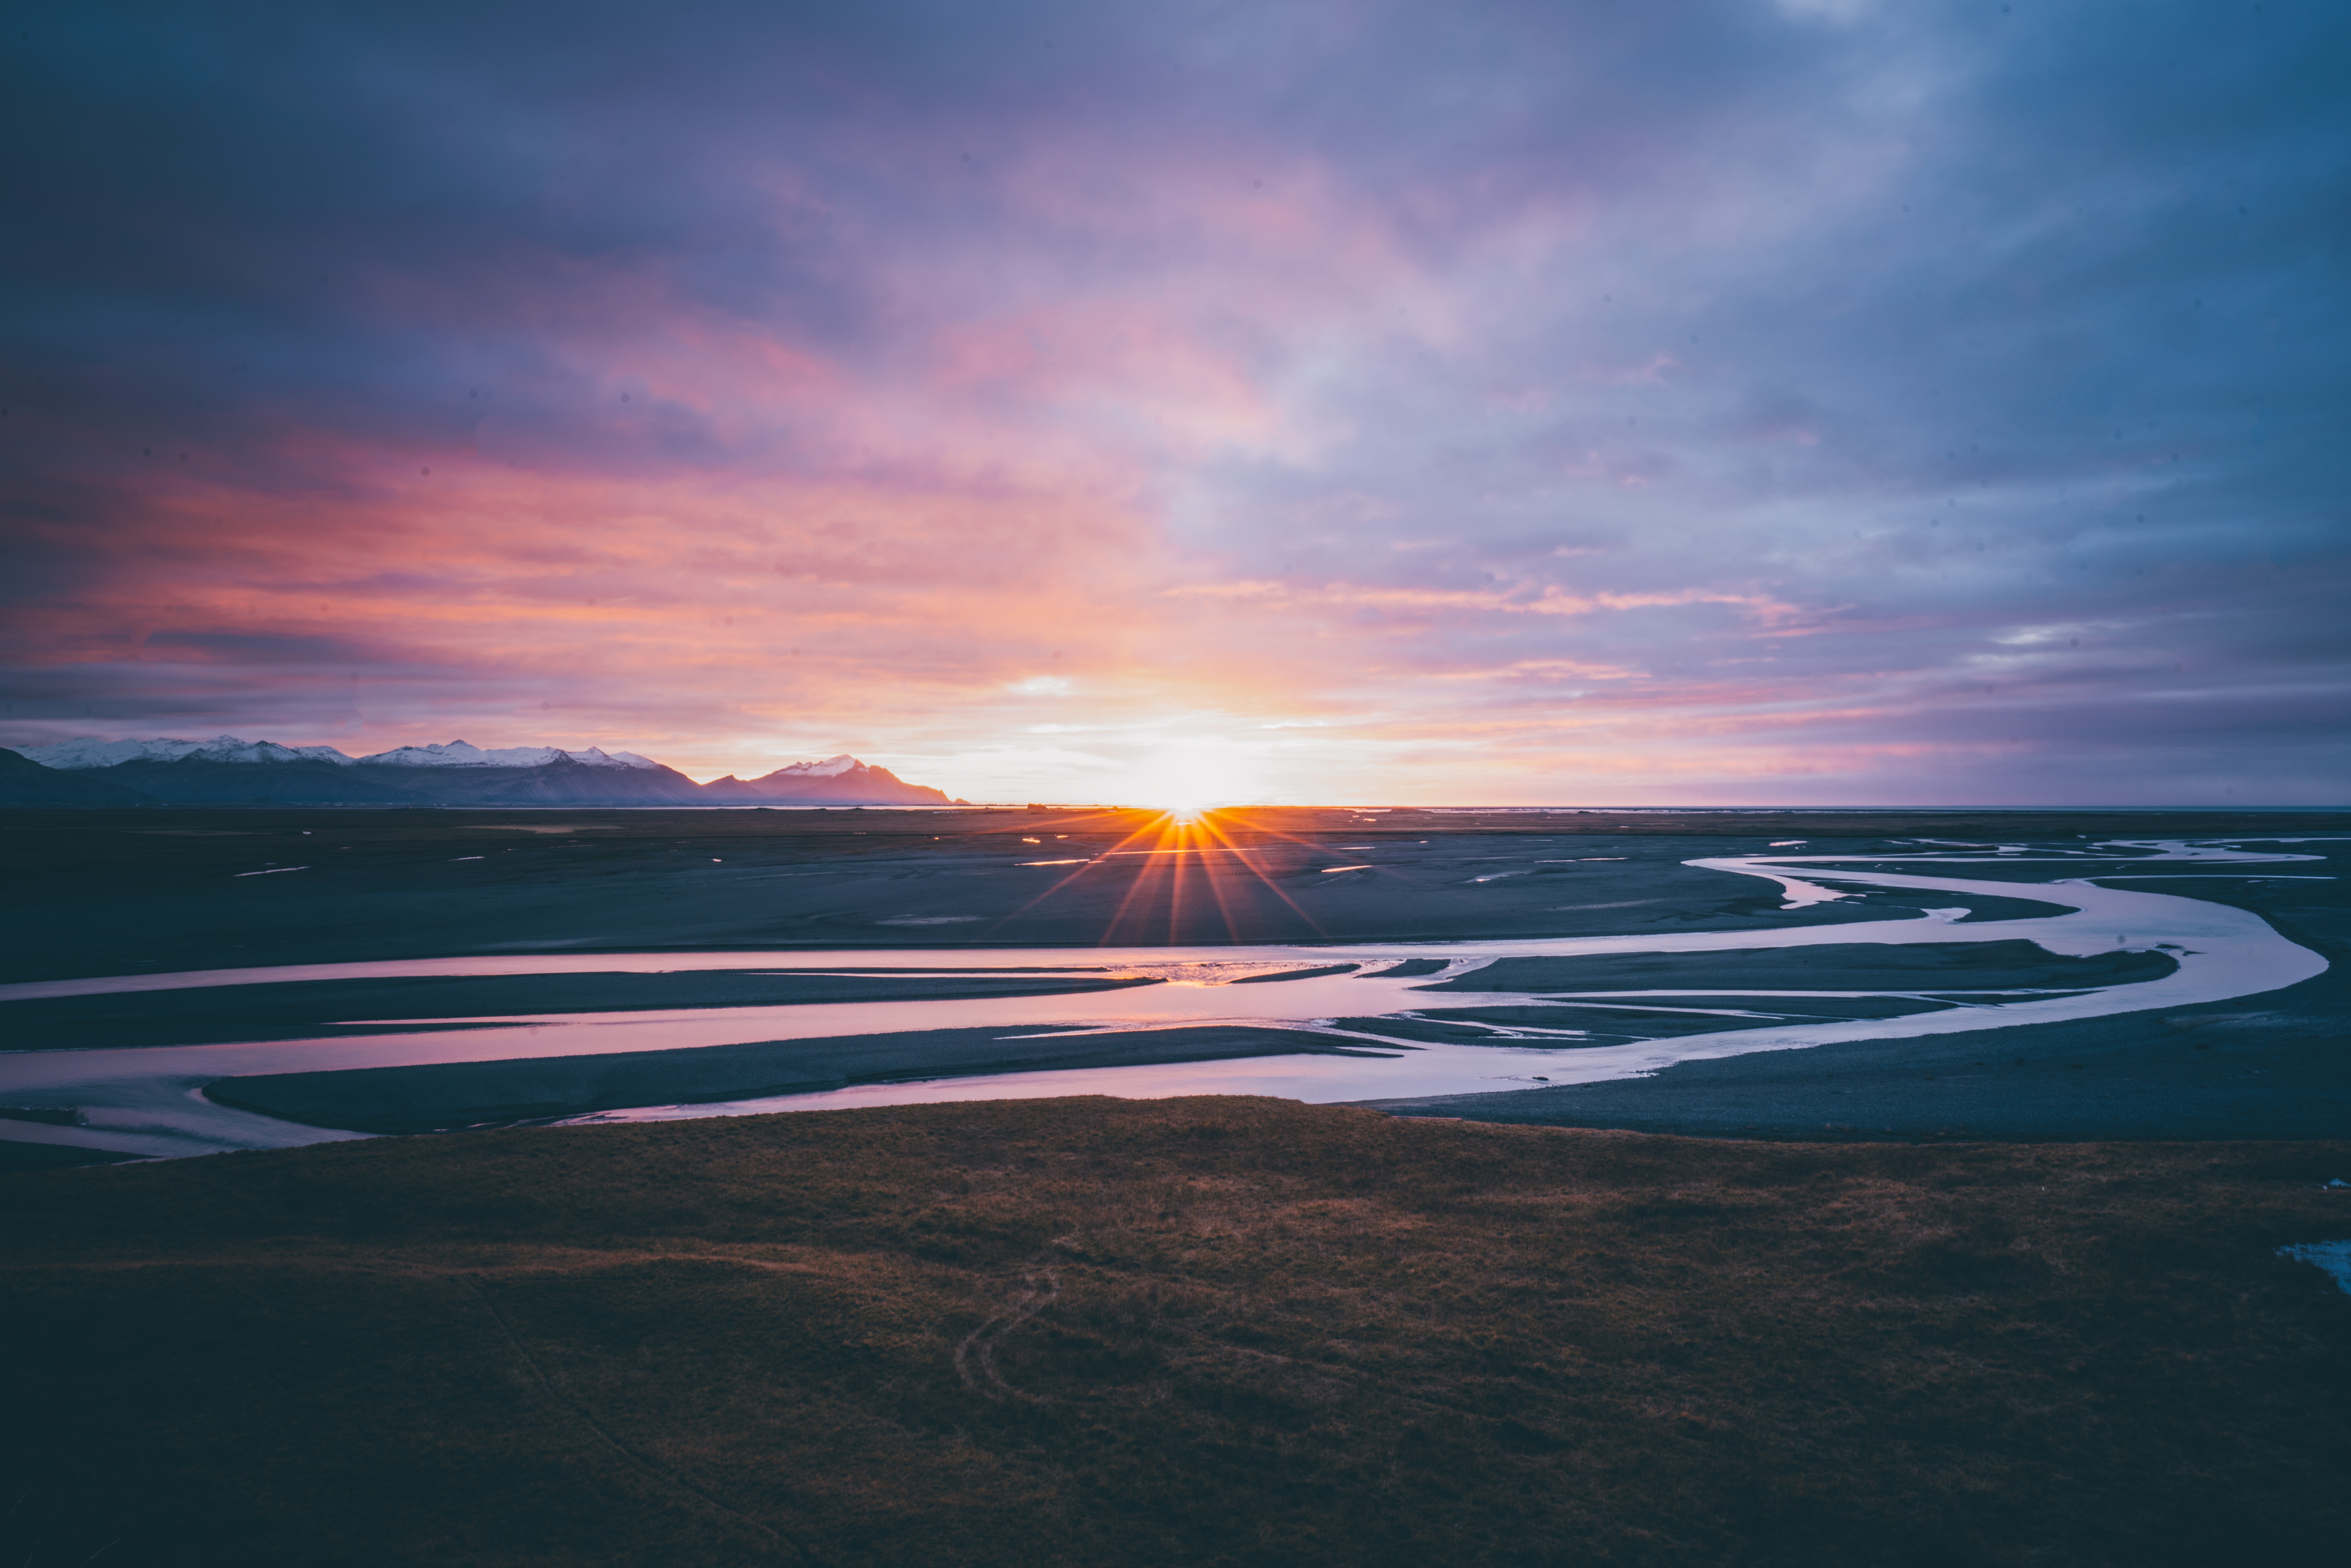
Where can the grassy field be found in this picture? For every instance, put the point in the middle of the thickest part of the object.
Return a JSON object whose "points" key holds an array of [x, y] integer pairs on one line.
{"points": [[1208, 1331]]}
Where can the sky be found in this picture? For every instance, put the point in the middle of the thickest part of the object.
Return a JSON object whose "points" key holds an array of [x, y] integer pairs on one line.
{"points": [[1694, 402]]}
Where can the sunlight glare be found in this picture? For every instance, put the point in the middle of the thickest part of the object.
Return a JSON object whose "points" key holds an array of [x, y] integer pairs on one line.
{"points": [[1189, 781]]}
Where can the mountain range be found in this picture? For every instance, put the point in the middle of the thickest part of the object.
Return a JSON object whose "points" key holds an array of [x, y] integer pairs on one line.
{"points": [[227, 770]]}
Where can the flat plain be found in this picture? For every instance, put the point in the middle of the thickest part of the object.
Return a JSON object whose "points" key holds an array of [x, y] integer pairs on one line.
{"points": [[1220, 1330], [1213, 1330]]}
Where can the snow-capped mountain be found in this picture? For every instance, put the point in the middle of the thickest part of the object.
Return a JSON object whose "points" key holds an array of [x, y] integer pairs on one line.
{"points": [[457, 753], [73, 754], [831, 767], [226, 769]]}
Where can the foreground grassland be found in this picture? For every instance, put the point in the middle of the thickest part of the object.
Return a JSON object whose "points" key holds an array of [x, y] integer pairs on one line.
{"points": [[1208, 1331]]}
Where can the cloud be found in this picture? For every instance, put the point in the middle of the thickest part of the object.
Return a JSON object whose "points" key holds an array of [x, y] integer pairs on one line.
{"points": [[785, 379]]}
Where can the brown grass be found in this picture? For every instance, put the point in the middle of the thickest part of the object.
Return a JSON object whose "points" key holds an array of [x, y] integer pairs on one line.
{"points": [[1208, 1331]]}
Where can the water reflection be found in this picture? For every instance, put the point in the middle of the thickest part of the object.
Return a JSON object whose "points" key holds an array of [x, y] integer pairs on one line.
{"points": [[149, 1100]]}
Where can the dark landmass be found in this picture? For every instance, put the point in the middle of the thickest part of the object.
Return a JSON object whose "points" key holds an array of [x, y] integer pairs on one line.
{"points": [[1317, 973], [15, 1157], [2274, 1065], [561, 782], [1913, 965], [308, 781], [24, 782], [1171, 1333], [44, 1115], [1975, 973], [860, 784], [304, 1010], [198, 780], [153, 890], [1212, 1331], [442, 1096], [100, 891], [1602, 1025]]}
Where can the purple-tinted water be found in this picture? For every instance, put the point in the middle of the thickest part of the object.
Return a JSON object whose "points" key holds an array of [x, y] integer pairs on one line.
{"points": [[147, 1099]]}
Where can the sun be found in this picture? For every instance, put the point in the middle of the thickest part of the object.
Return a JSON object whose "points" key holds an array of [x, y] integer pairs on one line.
{"points": [[1188, 782]]}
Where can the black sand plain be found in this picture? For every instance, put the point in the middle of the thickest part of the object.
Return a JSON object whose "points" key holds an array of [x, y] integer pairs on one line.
{"points": [[445, 1096], [127, 891], [1891, 1306], [165, 889]]}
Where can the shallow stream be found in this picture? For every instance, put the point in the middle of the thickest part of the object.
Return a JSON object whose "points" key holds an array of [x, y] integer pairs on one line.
{"points": [[149, 1100]]}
